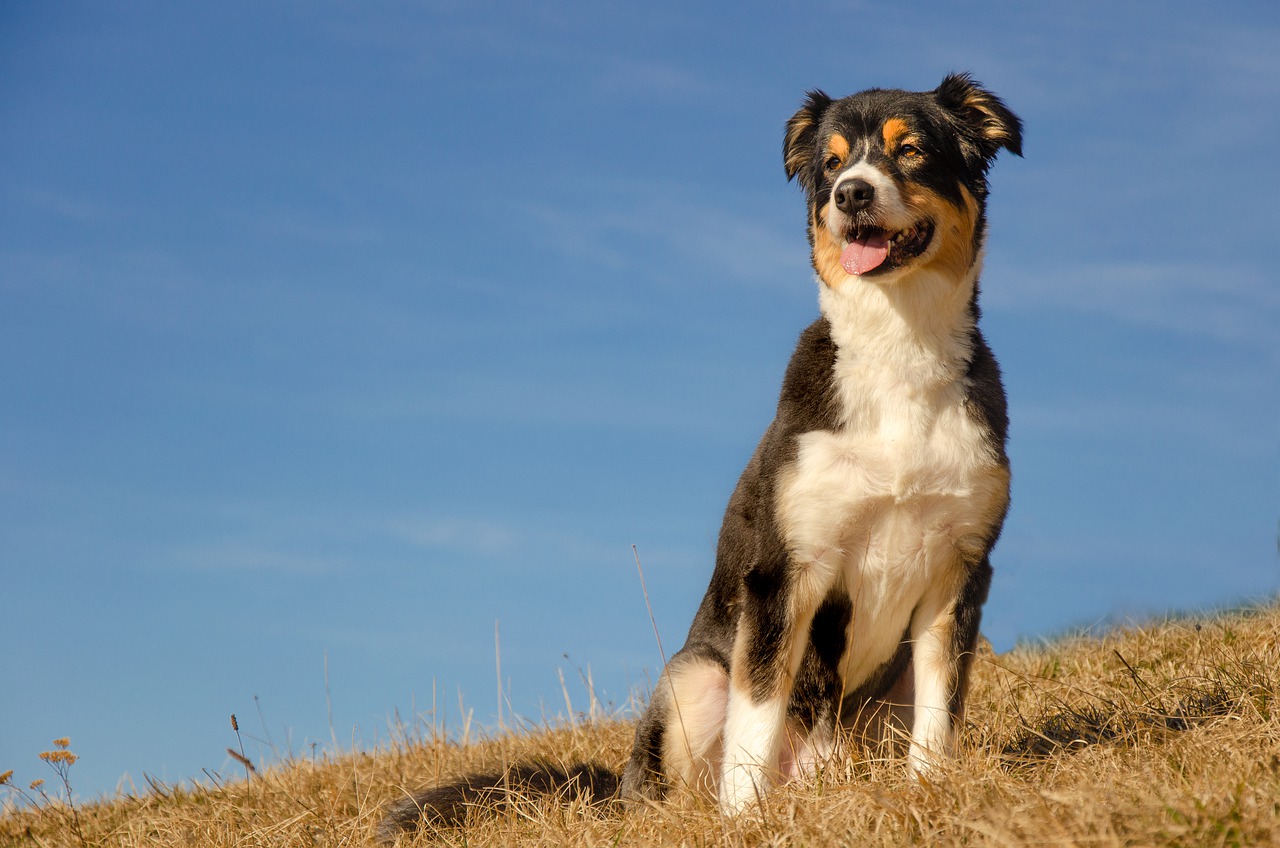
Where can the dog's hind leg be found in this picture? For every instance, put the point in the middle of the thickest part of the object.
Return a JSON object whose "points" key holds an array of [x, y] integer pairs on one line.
{"points": [[679, 739], [692, 750]]}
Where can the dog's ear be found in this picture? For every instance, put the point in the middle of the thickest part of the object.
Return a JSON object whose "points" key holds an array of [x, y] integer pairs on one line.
{"points": [[802, 130], [987, 121]]}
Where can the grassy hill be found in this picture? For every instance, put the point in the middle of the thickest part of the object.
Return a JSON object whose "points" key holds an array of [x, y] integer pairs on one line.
{"points": [[1167, 734]]}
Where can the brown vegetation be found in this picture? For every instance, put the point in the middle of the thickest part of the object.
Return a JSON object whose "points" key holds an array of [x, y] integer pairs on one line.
{"points": [[1160, 735]]}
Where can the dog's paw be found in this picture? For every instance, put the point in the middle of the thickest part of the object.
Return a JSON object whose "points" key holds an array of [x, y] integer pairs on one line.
{"points": [[741, 786], [923, 762]]}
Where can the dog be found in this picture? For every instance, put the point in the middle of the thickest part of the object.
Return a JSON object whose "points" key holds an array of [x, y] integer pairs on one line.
{"points": [[854, 556]]}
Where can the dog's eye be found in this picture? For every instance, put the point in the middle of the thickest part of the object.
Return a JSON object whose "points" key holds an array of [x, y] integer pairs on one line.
{"points": [[909, 151], [832, 163]]}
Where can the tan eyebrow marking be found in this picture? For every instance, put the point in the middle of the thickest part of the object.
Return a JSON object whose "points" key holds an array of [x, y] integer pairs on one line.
{"points": [[838, 145], [893, 131]]}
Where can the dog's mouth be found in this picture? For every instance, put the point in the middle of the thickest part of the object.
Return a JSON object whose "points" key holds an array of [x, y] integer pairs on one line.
{"points": [[876, 250]]}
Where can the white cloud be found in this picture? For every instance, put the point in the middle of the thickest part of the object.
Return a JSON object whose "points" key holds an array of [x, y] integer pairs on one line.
{"points": [[74, 208], [632, 223], [471, 536], [528, 539], [634, 77], [236, 555], [1237, 305], [302, 225]]}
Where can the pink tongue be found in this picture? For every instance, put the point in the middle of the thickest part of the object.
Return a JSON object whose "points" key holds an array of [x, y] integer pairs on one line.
{"points": [[861, 255]]}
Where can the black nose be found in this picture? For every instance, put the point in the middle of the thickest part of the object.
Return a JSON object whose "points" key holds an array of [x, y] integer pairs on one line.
{"points": [[854, 195]]}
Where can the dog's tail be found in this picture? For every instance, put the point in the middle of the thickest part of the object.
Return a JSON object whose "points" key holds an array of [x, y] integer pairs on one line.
{"points": [[446, 806]]}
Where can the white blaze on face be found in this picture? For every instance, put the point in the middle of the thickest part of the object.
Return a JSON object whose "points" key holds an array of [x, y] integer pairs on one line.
{"points": [[868, 251]]}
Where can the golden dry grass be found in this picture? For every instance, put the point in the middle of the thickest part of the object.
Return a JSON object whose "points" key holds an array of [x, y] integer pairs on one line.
{"points": [[1162, 735]]}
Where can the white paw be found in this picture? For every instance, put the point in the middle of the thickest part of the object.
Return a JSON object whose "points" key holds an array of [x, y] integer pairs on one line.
{"points": [[921, 761], [741, 786]]}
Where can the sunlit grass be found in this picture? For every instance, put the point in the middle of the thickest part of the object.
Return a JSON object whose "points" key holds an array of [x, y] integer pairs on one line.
{"points": [[1164, 734]]}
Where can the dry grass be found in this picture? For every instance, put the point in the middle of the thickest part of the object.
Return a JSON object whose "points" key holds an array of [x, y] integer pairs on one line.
{"points": [[1160, 735]]}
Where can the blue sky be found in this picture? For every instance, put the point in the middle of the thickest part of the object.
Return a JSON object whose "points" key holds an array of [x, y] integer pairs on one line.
{"points": [[334, 335]]}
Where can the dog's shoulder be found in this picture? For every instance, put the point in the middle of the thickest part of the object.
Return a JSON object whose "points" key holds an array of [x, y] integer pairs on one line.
{"points": [[986, 399], [806, 400]]}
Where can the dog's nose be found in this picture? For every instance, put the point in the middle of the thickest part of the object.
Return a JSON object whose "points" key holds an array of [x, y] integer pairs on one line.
{"points": [[854, 195]]}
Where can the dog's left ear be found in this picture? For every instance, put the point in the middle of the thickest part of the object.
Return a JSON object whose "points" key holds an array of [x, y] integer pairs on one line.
{"points": [[988, 121]]}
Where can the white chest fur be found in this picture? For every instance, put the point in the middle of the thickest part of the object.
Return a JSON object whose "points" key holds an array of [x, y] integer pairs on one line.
{"points": [[897, 500]]}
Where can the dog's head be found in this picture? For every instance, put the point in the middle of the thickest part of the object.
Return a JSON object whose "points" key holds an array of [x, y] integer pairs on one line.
{"points": [[896, 180]]}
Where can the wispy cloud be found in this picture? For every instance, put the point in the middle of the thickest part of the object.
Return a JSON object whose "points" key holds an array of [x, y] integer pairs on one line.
{"points": [[233, 555], [1192, 417], [479, 537], [627, 225], [147, 286], [301, 225], [635, 77], [76, 208], [1238, 305], [524, 539]]}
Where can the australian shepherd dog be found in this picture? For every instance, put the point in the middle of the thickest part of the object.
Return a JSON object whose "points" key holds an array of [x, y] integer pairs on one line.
{"points": [[853, 560]]}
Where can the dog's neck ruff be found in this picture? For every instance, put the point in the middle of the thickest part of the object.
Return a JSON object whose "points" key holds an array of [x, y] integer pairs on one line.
{"points": [[922, 320], [907, 339]]}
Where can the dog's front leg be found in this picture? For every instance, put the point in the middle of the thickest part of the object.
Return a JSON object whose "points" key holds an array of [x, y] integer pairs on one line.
{"points": [[933, 663], [773, 627], [944, 632]]}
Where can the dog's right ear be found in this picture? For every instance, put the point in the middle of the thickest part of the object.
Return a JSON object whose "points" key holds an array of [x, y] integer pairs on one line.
{"points": [[798, 146]]}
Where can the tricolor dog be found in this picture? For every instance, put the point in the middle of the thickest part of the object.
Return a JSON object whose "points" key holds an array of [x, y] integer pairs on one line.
{"points": [[854, 555]]}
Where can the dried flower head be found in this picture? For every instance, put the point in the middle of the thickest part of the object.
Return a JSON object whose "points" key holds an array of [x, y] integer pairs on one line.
{"points": [[57, 757], [4, 778], [64, 742]]}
